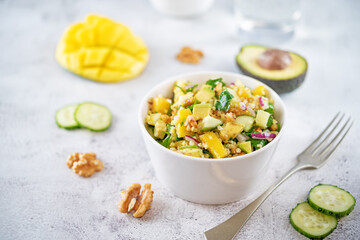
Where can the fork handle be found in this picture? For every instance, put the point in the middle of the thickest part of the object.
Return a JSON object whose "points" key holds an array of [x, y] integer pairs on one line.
{"points": [[228, 229]]}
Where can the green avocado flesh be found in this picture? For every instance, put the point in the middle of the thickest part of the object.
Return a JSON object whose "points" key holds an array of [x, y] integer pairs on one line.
{"points": [[284, 80]]}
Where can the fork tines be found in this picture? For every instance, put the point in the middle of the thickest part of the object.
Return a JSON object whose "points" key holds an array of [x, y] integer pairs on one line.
{"points": [[324, 145]]}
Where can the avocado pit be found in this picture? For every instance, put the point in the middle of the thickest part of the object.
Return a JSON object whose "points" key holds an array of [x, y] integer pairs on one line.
{"points": [[274, 59]]}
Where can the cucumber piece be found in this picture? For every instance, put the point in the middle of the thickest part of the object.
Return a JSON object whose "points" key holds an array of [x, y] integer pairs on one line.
{"points": [[311, 223], [331, 200], [65, 117], [209, 123], [92, 116], [247, 121]]}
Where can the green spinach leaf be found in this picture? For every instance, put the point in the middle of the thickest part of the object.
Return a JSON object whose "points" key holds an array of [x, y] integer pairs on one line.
{"points": [[256, 142], [207, 152], [180, 88], [191, 107], [214, 82], [166, 142], [223, 104], [192, 88], [270, 109]]}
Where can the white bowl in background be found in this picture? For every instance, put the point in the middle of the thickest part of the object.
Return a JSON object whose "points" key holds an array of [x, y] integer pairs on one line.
{"points": [[210, 181], [182, 8]]}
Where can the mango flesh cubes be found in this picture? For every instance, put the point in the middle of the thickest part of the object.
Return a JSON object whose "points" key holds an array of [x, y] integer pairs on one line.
{"points": [[214, 145], [102, 50]]}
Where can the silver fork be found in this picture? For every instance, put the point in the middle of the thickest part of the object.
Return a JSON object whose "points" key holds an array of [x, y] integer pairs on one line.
{"points": [[315, 156]]}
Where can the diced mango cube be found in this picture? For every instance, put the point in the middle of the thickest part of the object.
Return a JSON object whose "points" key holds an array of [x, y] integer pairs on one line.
{"points": [[119, 60], [183, 114], [95, 57], [179, 127], [181, 131], [259, 90], [214, 145], [107, 73], [91, 72], [161, 104], [244, 93], [230, 130]]}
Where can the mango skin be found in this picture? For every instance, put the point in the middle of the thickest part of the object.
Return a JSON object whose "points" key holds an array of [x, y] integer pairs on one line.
{"points": [[102, 50]]}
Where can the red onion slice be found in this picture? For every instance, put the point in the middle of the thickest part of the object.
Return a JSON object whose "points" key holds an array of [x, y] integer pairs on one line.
{"points": [[232, 83], [263, 135], [261, 101], [243, 106], [188, 138]]}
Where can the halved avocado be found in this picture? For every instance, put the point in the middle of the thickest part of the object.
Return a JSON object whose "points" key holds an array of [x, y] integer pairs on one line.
{"points": [[282, 71]]}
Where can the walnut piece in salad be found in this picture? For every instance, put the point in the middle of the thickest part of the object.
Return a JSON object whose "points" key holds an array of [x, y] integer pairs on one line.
{"points": [[214, 120]]}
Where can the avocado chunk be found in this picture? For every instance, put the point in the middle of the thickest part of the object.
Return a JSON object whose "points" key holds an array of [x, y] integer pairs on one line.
{"points": [[201, 110], [209, 123], [262, 119], [205, 94], [283, 71], [193, 152], [245, 147]]}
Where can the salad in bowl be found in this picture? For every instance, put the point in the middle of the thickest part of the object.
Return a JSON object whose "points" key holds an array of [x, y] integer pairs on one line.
{"points": [[214, 119]]}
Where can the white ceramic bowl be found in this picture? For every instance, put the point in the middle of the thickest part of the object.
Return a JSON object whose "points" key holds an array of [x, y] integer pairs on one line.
{"points": [[182, 8], [210, 181]]}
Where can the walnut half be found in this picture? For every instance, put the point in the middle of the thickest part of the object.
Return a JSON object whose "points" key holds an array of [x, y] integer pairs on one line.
{"points": [[84, 164], [131, 200]]}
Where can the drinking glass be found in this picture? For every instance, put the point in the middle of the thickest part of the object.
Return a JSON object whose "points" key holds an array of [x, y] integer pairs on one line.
{"points": [[266, 21]]}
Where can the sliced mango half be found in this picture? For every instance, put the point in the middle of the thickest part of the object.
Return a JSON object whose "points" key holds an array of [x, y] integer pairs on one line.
{"points": [[102, 50]]}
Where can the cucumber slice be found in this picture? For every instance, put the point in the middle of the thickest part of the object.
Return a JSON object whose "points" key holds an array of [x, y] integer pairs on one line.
{"points": [[311, 223], [92, 116], [246, 120], [331, 200], [65, 117], [209, 123]]}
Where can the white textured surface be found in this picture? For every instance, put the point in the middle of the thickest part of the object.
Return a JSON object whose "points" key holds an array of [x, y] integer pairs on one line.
{"points": [[40, 198]]}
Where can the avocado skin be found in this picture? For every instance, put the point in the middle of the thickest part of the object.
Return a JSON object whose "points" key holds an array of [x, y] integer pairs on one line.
{"points": [[280, 86]]}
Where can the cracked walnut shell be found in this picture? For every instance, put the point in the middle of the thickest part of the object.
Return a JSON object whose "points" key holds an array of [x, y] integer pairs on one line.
{"points": [[131, 200], [84, 164]]}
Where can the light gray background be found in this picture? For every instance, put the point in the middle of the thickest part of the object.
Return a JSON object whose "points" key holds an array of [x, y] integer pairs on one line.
{"points": [[40, 198]]}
